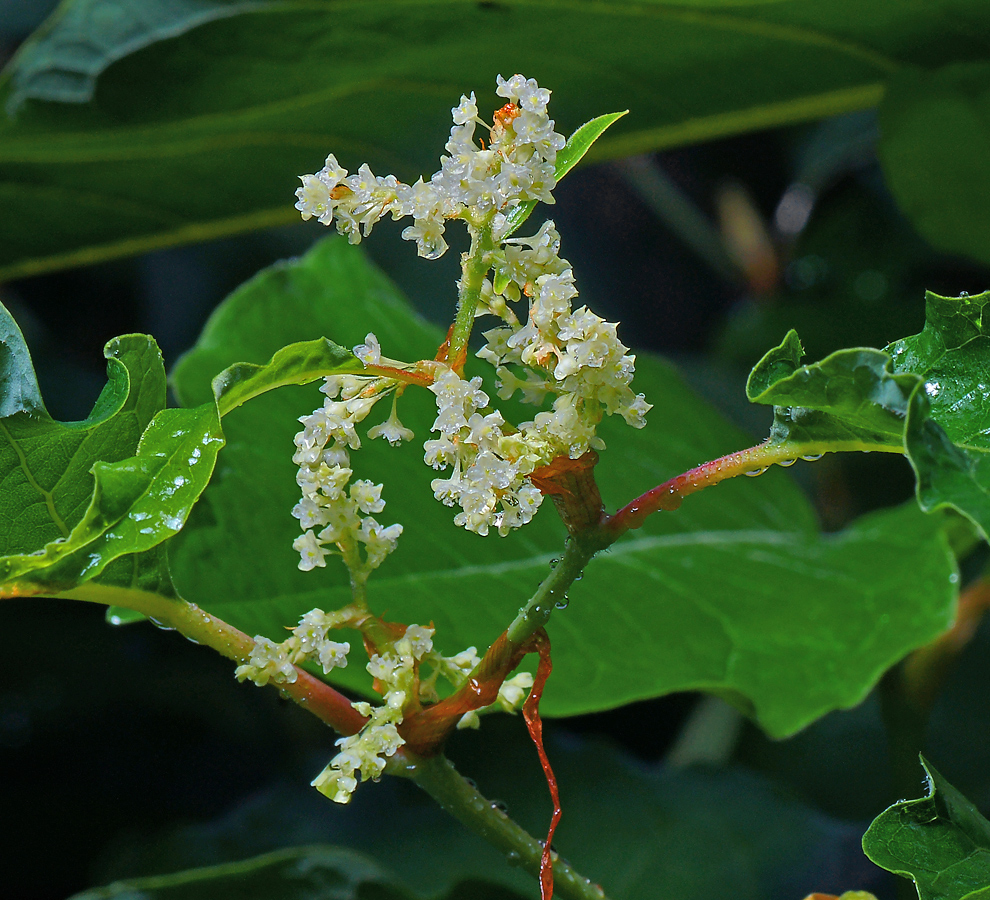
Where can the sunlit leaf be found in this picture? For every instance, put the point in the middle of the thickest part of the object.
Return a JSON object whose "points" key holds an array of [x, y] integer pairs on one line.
{"points": [[80, 495]]}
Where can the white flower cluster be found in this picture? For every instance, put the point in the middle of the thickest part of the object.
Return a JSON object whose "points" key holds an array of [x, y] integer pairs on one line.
{"points": [[516, 165], [277, 662], [573, 354], [343, 512], [398, 676], [488, 481], [366, 752]]}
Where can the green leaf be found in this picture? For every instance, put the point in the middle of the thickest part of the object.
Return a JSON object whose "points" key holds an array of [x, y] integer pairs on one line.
{"points": [[298, 874], [940, 841], [233, 124], [299, 363], [936, 121], [735, 593], [851, 396], [578, 144], [952, 355], [62, 60], [80, 495]]}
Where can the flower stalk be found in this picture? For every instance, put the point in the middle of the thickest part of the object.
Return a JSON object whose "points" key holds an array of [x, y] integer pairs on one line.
{"points": [[438, 777], [474, 267]]}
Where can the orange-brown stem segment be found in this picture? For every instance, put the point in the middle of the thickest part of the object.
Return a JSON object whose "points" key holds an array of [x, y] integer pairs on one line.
{"points": [[570, 483], [426, 731]]}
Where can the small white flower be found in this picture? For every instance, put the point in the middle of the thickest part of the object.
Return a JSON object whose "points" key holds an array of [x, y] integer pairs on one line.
{"points": [[370, 352]]}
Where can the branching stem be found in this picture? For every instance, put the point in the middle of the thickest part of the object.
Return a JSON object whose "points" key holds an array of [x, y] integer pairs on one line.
{"points": [[751, 461], [474, 266]]}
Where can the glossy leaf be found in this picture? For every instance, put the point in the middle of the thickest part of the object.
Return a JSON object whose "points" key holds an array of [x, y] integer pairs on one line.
{"points": [[735, 593], [232, 123], [936, 121], [80, 495], [300, 363], [940, 841], [952, 355], [298, 874], [850, 396], [924, 395]]}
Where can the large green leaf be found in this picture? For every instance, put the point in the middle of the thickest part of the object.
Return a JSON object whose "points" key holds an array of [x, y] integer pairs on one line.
{"points": [[735, 593], [79, 495], [244, 97], [933, 125], [940, 841], [303, 873]]}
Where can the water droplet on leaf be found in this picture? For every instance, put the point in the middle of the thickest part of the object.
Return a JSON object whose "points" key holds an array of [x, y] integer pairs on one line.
{"points": [[811, 457], [786, 463], [752, 473]]}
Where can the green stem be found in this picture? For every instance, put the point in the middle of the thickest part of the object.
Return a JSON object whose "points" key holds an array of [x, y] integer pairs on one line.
{"points": [[579, 550], [474, 266], [438, 777]]}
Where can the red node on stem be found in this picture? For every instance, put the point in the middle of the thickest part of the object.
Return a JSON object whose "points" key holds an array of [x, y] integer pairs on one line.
{"points": [[570, 483]]}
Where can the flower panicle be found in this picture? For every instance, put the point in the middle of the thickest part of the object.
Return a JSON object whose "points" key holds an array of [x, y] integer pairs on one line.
{"points": [[559, 351]]}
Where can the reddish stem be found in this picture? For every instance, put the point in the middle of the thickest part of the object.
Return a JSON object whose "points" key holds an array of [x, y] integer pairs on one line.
{"points": [[531, 713], [426, 731]]}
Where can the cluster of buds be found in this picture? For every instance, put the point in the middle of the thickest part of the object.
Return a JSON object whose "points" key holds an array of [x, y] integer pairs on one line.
{"points": [[398, 671], [473, 182], [277, 662], [342, 512]]}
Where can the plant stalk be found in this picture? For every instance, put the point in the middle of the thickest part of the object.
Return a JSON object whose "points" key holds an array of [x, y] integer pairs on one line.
{"points": [[438, 777], [327, 704], [474, 266]]}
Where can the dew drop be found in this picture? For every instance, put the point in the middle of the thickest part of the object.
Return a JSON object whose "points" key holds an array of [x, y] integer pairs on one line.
{"points": [[579, 576], [471, 783], [811, 457], [964, 293], [500, 806], [752, 473], [116, 620], [786, 463], [954, 578], [554, 563], [190, 639], [160, 625], [513, 858], [562, 603]]}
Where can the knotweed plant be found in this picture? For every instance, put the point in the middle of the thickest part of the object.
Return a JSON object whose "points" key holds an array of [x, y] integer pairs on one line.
{"points": [[494, 468]]}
